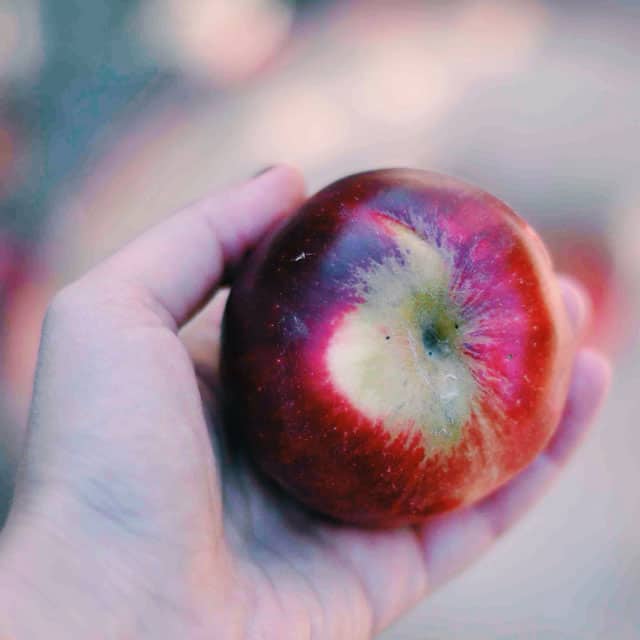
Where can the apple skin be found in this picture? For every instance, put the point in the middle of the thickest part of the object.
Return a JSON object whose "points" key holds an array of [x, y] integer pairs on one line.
{"points": [[397, 349]]}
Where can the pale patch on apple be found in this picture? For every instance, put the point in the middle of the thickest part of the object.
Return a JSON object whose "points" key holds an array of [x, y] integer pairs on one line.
{"points": [[397, 357]]}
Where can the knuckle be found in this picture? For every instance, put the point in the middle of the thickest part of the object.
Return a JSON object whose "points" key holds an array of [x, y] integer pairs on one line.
{"points": [[77, 314], [65, 305], [95, 302]]}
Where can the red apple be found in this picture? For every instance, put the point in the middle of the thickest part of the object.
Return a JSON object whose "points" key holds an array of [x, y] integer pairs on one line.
{"points": [[397, 349]]}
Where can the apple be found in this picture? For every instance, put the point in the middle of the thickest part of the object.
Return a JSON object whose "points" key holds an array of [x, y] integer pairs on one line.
{"points": [[397, 349]]}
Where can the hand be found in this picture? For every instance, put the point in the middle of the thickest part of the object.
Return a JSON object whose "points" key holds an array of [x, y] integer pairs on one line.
{"points": [[125, 524]]}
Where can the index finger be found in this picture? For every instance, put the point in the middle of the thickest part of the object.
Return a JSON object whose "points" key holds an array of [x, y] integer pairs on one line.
{"points": [[175, 264]]}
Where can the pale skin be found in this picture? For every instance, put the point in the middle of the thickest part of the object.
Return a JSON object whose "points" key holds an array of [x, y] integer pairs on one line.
{"points": [[132, 521]]}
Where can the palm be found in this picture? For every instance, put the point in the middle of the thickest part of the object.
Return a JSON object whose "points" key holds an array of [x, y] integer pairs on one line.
{"points": [[319, 579], [309, 577], [291, 565]]}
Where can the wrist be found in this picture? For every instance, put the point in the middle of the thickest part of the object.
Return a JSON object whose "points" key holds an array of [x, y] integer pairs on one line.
{"points": [[58, 582], [55, 583], [36, 594]]}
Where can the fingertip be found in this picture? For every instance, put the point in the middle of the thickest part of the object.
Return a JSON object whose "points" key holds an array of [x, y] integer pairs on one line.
{"points": [[275, 193], [450, 542], [592, 375], [250, 210], [589, 384], [577, 303], [287, 180]]}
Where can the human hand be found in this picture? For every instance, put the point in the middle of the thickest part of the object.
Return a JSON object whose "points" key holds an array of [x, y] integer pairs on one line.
{"points": [[132, 519]]}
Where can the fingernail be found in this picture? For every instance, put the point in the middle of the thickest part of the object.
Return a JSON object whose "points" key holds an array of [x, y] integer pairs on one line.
{"points": [[263, 171]]}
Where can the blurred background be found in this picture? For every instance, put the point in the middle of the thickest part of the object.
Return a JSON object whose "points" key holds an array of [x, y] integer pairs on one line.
{"points": [[115, 112]]}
